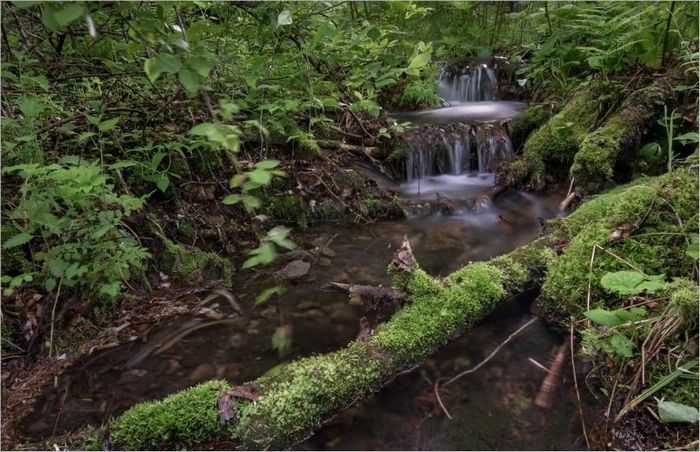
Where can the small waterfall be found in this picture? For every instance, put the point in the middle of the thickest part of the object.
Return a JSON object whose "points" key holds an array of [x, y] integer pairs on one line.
{"points": [[471, 84], [456, 149], [469, 135]]}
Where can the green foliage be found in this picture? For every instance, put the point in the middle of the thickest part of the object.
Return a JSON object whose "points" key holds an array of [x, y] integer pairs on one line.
{"points": [[266, 252], [72, 220], [260, 176], [632, 282]]}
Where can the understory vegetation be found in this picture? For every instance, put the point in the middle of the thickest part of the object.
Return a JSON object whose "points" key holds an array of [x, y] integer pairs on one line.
{"points": [[155, 148]]}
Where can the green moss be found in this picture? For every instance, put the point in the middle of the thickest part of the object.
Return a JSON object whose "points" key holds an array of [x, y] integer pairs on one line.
{"points": [[616, 141], [684, 299], [178, 421], [287, 209], [555, 143], [193, 265], [530, 119], [397, 155], [668, 207]]}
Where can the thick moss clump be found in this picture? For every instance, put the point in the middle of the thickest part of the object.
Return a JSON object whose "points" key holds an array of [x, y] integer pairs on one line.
{"points": [[665, 209], [181, 420], [555, 143], [195, 266], [613, 144]]}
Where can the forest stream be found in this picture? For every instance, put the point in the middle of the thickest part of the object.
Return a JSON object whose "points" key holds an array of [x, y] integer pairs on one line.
{"points": [[306, 320]]}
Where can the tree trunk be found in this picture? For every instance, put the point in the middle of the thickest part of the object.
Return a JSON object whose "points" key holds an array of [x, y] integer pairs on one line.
{"points": [[279, 411]]}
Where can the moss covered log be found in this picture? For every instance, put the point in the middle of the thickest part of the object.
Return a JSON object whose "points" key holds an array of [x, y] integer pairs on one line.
{"points": [[278, 411], [556, 142], [614, 144]]}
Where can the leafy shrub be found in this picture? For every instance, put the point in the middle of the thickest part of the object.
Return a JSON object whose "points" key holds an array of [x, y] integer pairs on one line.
{"points": [[70, 219]]}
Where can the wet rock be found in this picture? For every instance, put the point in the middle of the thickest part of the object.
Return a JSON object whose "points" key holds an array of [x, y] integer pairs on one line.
{"points": [[174, 366], [202, 372], [325, 251], [296, 270], [236, 341], [299, 255], [307, 305], [269, 313]]}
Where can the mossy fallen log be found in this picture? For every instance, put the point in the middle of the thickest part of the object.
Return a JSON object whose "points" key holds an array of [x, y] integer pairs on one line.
{"points": [[278, 411], [556, 142], [615, 142]]}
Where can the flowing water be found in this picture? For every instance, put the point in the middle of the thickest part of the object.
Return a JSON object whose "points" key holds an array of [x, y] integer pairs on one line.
{"points": [[468, 136], [492, 408]]}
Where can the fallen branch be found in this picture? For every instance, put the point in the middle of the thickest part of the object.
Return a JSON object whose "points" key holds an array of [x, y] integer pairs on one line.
{"points": [[370, 297]]}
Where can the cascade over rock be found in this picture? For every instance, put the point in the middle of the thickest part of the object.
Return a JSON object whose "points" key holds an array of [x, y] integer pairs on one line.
{"points": [[469, 135]]}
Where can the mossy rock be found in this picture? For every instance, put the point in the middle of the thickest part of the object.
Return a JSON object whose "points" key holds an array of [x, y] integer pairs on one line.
{"points": [[194, 266], [287, 209], [529, 120]]}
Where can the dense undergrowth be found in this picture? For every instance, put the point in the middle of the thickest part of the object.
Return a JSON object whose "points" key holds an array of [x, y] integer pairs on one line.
{"points": [[191, 138]]}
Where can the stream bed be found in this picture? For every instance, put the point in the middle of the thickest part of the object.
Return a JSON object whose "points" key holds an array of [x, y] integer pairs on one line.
{"points": [[492, 408]]}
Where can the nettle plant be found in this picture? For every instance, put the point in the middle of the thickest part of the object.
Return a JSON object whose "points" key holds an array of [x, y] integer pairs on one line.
{"points": [[70, 220]]}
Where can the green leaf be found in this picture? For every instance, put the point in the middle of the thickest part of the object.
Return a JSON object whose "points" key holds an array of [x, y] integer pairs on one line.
{"points": [[163, 182], [284, 18], [690, 137], [251, 202], [200, 65], [267, 294], [627, 283], [267, 164], [30, 106], [19, 239], [106, 126], [278, 235], [189, 80], [232, 199], [693, 250], [157, 65], [419, 61], [57, 17], [260, 177], [57, 267], [672, 412], [623, 345], [603, 317]]}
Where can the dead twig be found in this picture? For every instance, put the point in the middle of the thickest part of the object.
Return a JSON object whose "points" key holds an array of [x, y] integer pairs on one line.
{"points": [[578, 394], [495, 351]]}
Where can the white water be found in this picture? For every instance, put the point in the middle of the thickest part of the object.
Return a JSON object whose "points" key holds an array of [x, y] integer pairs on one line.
{"points": [[462, 144]]}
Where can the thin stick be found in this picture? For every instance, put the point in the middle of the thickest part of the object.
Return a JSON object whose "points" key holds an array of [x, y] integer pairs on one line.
{"points": [[536, 364], [590, 277], [53, 316], [492, 354], [578, 395], [436, 387]]}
